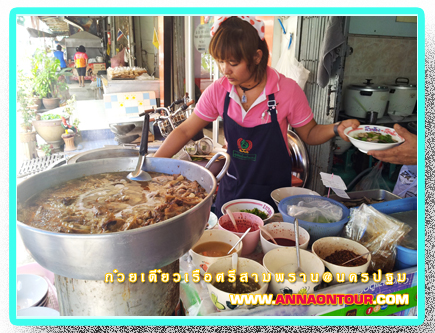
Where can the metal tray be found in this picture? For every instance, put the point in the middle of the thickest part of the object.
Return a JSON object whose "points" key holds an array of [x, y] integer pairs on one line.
{"points": [[369, 194]]}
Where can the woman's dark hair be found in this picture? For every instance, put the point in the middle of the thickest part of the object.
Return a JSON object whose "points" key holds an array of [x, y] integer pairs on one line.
{"points": [[59, 48], [81, 48], [237, 39]]}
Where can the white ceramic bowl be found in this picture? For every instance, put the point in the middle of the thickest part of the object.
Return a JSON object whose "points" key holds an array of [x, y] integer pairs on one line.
{"points": [[217, 235], [284, 192], [220, 298], [240, 204], [323, 247], [276, 260], [212, 221], [365, 146], [38, 312], [282, 230], [31, 289]]}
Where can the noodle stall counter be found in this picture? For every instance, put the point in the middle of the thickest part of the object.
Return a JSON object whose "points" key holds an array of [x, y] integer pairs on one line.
{"points": [[197, 302]]}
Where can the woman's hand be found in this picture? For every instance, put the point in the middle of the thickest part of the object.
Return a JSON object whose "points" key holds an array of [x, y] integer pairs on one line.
{"points": [[345, 124], [405, 153]]}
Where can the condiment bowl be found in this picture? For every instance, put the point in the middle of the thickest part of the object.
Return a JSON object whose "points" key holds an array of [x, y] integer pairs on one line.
{"points": [[284, 192], [284, 260], [202, 262], [326, 246], [282, 230], [242, 204], [221, 299], [244, 219], [365, 146]]}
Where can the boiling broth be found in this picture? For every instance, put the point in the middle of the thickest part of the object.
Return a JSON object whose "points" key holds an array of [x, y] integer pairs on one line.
{"points": [[213, 249]]}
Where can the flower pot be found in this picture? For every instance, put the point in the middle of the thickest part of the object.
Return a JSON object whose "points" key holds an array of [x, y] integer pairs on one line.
{"points": [[69, 142], [37, 101], [51, 131], [51, 103]]}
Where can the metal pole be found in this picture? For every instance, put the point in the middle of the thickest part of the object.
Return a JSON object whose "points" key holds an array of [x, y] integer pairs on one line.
{"points": [[131, 40], [190, 69]]}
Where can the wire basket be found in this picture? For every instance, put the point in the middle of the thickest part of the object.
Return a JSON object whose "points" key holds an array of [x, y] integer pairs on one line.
{"points": [[316, 230]]}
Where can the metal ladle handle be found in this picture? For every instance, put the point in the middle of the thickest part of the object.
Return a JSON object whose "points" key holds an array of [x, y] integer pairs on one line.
{"points": [[144, 139], [297, 242]]}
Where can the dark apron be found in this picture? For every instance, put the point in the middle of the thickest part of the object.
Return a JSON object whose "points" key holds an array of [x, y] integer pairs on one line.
{"points": [[260, 162]]}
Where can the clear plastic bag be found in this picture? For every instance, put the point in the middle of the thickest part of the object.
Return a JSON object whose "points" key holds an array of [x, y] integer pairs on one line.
{"points": [[293, 69], [319, 211], [373, 180], [379, 233]]}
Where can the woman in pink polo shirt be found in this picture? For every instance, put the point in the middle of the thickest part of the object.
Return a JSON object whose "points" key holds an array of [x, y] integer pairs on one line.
{"points": [[257, 104]]}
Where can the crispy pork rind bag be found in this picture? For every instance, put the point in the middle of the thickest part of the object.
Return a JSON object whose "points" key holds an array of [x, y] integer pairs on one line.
{"points": [[379, 233]]}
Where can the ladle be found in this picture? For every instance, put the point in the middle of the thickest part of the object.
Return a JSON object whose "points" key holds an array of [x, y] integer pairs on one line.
{"points": [[138, 174], [362, 255], [237, 243], [268, 234], [230, 214], [299, 270]]}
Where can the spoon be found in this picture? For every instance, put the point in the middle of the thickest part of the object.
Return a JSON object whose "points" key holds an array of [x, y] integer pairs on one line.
{"points": [[138, 174], [234, 261], [299, 270], [230, 214], [354, 258], [268, 234], [237, 243]]}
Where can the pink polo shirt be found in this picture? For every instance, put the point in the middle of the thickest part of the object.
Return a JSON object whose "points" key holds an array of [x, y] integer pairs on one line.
{"points": [[292, 104]]}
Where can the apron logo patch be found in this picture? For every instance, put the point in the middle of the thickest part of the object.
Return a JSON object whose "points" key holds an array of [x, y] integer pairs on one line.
{"points": [[244, 147]]}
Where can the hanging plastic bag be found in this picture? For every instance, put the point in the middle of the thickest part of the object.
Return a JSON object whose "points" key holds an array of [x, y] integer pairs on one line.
{"points": [[406, 185], [373, 180], [293, 69]]}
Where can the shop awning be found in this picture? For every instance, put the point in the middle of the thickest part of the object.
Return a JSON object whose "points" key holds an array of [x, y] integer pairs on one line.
{"points": [[38, 33]]}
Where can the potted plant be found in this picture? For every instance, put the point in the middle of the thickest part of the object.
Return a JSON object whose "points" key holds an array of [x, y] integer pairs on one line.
{"points": [[48, 82], [49, 127], [68, 114], [44, 150]]}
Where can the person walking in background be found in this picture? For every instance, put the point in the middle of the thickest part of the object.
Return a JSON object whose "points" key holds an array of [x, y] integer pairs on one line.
{"points": [[81, 63], [59, 55]]}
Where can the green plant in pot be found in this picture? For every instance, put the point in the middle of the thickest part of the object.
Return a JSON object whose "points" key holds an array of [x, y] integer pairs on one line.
{"points": [[48, 82]]}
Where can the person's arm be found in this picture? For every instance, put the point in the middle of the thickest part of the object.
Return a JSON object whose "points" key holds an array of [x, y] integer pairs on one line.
{"points": [[405, 153], [315, 134], [180, 136]]}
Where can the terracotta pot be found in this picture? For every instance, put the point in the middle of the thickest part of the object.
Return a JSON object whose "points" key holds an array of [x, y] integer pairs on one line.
{"points": [[51, 103], [37, 101]]}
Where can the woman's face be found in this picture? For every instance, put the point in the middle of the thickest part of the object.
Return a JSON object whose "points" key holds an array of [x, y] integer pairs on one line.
{"points": [[236, 72]]}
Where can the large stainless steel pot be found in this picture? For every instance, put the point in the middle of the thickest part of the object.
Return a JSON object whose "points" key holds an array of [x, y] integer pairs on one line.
{"points": [[90, 257]]}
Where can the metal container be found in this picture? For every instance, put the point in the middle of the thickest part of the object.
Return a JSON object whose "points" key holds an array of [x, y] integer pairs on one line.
{"points": [[403, 98], [369, 194], [91, 256], [366, 97], [98, 298]]}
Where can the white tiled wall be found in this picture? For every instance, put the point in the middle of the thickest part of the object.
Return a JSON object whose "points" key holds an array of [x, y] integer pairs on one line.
{"points": [[381, 59]]}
